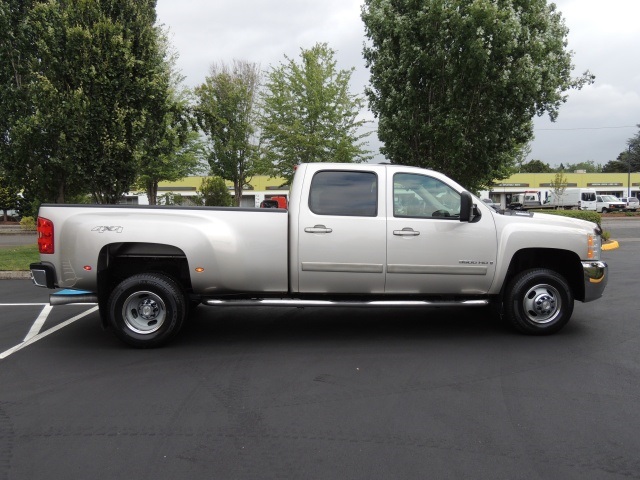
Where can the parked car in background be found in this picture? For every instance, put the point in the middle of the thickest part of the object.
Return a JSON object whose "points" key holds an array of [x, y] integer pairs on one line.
{"points": [[609, 203], [632, 203], [574, 198], [492, 204]]}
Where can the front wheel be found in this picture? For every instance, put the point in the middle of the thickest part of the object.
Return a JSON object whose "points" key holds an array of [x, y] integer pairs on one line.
{"points": [[538, 302], [146, 310]]}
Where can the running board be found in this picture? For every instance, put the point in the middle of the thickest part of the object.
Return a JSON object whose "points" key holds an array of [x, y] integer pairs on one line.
{"points": [[286, 302], [67, 297]]}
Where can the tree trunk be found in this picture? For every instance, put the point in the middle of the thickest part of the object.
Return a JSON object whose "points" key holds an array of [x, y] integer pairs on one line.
{"points": [[237, 189], [152, 192]]}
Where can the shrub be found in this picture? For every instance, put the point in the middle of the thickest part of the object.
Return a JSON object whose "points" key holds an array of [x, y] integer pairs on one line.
{"points": [[28, 223]]}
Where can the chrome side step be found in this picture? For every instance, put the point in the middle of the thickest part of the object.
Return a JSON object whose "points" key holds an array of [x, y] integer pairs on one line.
{"points": [[290, 302]]}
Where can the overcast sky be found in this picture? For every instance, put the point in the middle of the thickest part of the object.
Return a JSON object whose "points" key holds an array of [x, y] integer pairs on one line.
{"points": [[594, 124]]}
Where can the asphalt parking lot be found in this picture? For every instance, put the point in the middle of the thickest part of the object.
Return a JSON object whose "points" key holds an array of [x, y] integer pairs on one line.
{"points": [[319, 393]]}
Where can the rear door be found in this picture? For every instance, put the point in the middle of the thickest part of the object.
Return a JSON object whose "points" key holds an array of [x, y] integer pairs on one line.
{"points": [[341, 233]]}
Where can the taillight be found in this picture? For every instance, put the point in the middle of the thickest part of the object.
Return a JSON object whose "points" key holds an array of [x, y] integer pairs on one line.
{"points": [[45, 235]]}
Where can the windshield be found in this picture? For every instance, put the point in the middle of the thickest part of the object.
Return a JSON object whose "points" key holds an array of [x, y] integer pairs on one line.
{"points": [[609, 198]]}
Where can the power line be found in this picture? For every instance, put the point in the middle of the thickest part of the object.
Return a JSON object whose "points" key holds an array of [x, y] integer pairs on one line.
{"points": [[583, 128]]}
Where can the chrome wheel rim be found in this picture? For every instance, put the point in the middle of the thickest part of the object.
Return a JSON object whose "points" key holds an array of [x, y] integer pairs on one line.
{"points": [[542, 304], [144, 312]]}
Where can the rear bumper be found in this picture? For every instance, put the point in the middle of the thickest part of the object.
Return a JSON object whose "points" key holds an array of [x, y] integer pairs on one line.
{"points": [[596, 276], [43, 274]]}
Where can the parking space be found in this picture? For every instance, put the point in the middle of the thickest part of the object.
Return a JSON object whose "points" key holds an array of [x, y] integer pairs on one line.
{"points": [[26, 316], [323, 393]]}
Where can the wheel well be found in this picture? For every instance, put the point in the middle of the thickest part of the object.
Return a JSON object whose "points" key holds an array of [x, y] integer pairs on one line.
{"points": [[118, 261], [564, 262]]}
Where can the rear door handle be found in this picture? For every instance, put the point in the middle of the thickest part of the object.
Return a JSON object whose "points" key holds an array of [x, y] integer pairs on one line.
{"points": [[318, 229], [406, 232]]}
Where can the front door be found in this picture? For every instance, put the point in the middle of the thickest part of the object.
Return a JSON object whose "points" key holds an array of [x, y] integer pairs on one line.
{"points": [[429, 251]]}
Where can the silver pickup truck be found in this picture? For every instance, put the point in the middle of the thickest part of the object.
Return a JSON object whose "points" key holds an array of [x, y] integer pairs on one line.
{"points": [[366, 235]]}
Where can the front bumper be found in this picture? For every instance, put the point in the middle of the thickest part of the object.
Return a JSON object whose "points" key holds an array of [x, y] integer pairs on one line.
{"points": [[596, 276]]}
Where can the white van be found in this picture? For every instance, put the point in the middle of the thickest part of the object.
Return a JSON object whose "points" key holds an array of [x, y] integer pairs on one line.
{"points": [[574, 198]]}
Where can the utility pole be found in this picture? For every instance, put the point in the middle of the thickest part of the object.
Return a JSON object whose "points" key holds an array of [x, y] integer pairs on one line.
{"points": [[629, 172]]}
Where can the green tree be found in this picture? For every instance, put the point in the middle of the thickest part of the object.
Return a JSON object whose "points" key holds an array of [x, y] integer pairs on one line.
{"points": [[31, 112], [455, 83], [170, 149], [309, 115], [589, 166], [558, 186], [225, 111], [84, 78], [536, 166], [213, 192], [8, 198]]}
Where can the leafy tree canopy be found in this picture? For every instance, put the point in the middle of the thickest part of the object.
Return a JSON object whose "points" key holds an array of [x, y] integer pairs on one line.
{"points": [[214, 193], [171, 148], [226, 111], [536, 166], [8, 197], [78, 80], [309, 115], [455, 83]]}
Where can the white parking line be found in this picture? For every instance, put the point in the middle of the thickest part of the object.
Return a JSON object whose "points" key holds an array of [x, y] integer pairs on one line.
{"points": [[21, 304], [37, 325], [40, 336]]}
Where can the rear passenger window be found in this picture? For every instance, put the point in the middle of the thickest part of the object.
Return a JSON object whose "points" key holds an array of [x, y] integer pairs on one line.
{"points": [[344, 193]]}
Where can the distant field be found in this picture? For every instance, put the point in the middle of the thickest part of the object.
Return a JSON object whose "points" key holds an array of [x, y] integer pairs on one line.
{"points": [[18, 258]]}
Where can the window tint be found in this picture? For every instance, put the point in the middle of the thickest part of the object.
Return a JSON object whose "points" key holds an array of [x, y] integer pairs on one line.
{"points": [[588, 196], [423, 197], [344, 193]]}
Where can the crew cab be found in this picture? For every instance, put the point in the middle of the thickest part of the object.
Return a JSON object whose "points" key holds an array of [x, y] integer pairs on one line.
{"points": [[354, 234]]}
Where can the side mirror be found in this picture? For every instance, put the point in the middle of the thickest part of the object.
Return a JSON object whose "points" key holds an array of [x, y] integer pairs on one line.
{"points": [[466, 207]]}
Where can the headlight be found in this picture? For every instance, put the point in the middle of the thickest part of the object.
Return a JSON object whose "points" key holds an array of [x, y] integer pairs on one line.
{"points": [[594, 246]]}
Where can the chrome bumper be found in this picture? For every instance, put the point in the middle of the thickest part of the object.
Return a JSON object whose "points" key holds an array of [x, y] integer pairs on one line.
{"points": [[596, 276]]}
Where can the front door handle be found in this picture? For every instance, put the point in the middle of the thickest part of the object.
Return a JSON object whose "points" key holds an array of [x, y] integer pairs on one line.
{"points": [[406, 232], [318, 229]]}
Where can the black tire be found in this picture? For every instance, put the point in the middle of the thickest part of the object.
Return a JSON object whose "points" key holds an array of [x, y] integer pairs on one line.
{"points": [[538, 302], [146, 310], [604, 210]]}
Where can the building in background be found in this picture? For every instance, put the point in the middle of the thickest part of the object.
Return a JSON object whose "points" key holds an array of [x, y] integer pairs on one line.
{"points": [[263, 187], [616, 184]]}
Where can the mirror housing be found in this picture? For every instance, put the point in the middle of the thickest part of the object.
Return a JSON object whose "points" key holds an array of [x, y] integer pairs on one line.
{"points": [[466, 207]]}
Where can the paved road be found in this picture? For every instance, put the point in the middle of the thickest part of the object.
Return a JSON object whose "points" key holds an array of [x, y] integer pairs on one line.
{"points": [[14, 240], [318, 393]]}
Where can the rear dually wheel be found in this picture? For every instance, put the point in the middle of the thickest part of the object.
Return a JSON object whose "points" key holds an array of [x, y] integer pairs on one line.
{"points": [[146, 310]]}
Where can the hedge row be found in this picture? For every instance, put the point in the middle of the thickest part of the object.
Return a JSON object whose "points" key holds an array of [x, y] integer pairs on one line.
{"points": [[588, 215]]}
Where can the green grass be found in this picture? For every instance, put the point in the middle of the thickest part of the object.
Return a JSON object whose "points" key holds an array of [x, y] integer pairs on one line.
{"points": [[18, 258]]}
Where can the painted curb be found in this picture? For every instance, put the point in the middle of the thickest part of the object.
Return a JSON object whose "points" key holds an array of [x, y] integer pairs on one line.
{"points": [[610, 245]]}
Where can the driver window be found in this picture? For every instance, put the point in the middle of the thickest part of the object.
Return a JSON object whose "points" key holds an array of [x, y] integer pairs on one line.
{"points": [[419, 196]]}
